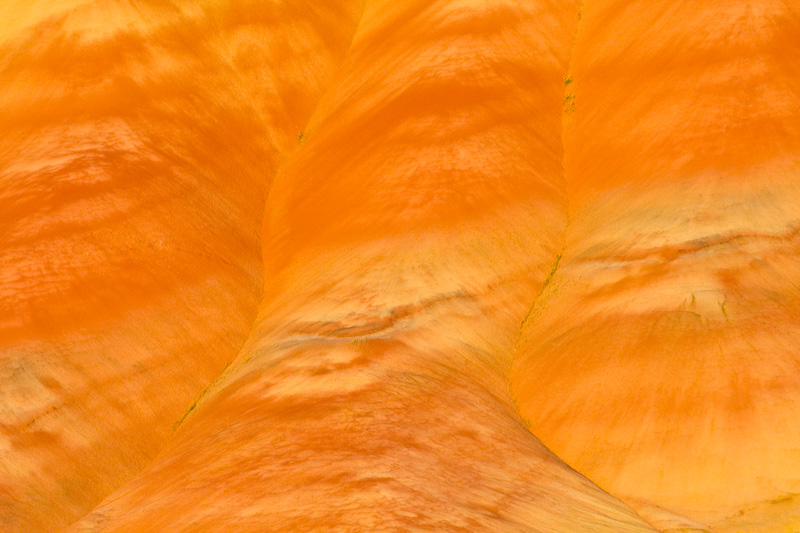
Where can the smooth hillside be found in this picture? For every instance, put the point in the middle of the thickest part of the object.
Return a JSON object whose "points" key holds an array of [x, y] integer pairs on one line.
{"points": [[662, 360], [403, 242], [137, 144]]}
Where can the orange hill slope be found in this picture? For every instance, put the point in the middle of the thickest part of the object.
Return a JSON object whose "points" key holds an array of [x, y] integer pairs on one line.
{"points": [[403, 241], [494, 222], [663, 359], [136, 145]]}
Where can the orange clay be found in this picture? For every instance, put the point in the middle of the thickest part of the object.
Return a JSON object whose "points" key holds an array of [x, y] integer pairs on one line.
{"points": [[662, 359], [137, 144], [402, 243], [491, 222]]}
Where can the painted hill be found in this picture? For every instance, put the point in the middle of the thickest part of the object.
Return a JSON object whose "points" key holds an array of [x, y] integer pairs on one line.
{"points": [[661, 360], [339, 266], [137, 145]]}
